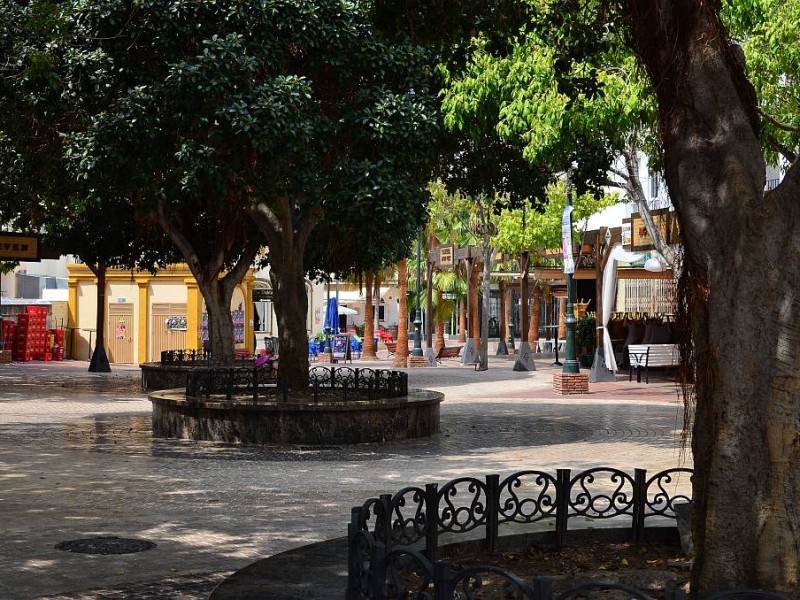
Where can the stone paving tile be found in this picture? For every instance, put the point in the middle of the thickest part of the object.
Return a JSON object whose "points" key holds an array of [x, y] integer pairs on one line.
{"points": [[77, 460]]}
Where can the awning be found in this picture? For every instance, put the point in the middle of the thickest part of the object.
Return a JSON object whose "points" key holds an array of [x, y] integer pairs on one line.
{"points": [[354, 296]]}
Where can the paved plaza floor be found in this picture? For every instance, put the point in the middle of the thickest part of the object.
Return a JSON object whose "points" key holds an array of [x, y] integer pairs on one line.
{"points": [[77, 460]]}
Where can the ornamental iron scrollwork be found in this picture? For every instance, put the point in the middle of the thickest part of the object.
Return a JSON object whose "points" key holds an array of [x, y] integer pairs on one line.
{"points": [[408, 516], [340, 383], [527, 497], [372, 508], [409, 575], [744, 594], [662, 502], [489, 582], [462, 505], [601, 493], [602, 590], [361, 551]]}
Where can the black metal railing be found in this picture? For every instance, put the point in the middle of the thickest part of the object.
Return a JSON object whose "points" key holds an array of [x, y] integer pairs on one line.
{"points": [[199, 358], [329, 383], [389, 525], [407, 573]]}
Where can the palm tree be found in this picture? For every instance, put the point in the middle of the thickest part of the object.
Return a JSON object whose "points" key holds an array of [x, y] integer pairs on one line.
{"points": [[401, 351], [445, 282], [370, 351]]}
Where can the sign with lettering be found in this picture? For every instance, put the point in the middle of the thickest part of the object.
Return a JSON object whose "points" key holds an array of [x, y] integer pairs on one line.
{"points": [[340, 346], [261, 294], [566, 240], [18, 246], [446, 256]]}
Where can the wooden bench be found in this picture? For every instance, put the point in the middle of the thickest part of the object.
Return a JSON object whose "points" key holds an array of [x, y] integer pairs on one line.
{"points": [[448, 352], [645, 356], [391, 347]]}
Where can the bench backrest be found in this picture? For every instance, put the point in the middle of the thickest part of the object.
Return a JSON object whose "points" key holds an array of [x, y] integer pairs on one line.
{"points": [[654, 355]]}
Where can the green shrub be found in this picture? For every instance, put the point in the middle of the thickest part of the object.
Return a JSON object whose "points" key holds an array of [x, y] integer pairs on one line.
{"points": [[585, 334]]}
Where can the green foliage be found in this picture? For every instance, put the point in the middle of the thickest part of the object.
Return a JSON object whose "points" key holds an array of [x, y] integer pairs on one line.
{"points": [[522, 229], [770, 34], [573, 97], [585, 331]]}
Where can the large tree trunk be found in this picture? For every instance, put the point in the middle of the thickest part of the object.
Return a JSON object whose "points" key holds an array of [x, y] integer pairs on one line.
{"points": [[99, 362], [216, 289], [287, 275], [439, 343], [473, 309], [488, 253], [401, 351], [429, 301], [287, 235], [369, 351], [533, 332], [524, 261], [741, 276], [462, 321], [220, 323]]}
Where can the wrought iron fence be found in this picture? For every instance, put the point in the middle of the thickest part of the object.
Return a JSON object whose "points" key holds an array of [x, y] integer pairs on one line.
{"points": [[407, 573], [337, 383], [383, 529], [198, 358]]}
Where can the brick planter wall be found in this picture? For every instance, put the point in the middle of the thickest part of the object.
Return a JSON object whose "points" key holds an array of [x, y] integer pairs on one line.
{"points": [[570, 383]]}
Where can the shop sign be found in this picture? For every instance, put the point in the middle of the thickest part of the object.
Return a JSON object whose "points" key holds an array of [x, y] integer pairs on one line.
{"points": [[626, 234], [261, 294], [446, 256], [176, 324], [18, 246]]}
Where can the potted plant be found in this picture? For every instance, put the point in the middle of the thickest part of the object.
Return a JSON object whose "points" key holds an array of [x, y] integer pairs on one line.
{"points": [[585, 339]]}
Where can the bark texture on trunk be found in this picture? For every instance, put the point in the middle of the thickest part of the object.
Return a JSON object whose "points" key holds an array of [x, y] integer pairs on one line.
{"points": [[369, 352], [287, 276], [524, 262], [741, 246], [220, 324], [462, 307], [401, 352], [473, 308], [462, 322], [488, 255], [287, 235], [429, 307], [216, 288], [533, 334], [439, 342]]}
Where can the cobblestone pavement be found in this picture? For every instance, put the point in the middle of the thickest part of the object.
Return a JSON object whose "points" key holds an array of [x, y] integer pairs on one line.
{"points": [[77, 460]]}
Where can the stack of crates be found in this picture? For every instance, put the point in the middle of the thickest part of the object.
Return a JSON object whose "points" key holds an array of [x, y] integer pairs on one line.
{"points": [[31, 335], [57, 343], [9, 336]]}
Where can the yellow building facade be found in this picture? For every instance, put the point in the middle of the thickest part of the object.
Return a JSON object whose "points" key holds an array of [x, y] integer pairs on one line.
{"points": [[147, 314]]}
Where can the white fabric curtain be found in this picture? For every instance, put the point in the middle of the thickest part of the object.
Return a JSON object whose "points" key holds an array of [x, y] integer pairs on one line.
{"points": [[618, 254]]}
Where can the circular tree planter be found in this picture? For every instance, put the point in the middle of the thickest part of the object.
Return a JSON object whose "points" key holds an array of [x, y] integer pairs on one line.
{"points": [[242, 420]]}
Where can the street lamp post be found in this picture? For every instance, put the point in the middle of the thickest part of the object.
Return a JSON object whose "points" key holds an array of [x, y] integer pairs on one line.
{"points": [[570, 362], [417, 351]]}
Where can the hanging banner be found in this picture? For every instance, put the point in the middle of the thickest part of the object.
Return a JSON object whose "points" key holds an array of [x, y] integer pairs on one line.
{"points": [[566, 241]]}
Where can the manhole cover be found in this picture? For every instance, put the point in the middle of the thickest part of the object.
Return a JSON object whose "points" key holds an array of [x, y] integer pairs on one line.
{"points": [[105, 545]]}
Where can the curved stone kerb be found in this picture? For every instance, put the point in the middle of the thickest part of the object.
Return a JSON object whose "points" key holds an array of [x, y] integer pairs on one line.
{"points": [[244, 421]]}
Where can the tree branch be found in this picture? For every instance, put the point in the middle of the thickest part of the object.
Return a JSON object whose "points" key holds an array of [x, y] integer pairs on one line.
{"points": [[773, 143], [779, 124], [184, 245]]}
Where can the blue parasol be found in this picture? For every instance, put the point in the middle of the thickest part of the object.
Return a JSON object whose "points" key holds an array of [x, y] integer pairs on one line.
{"points": [[332, 316]]}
